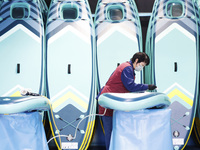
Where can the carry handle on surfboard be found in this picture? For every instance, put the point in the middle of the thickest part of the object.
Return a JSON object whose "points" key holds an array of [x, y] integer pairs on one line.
{"points": [[18, 68], [175, 66], [69, 69], [20, 11]]}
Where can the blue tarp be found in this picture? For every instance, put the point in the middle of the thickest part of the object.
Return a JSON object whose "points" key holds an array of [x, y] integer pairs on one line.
{"points": [[142, 130], [23, 131]]}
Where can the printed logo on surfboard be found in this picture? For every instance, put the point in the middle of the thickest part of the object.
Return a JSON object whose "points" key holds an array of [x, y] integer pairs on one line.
{"points": [[69, 145], [178, 141]]}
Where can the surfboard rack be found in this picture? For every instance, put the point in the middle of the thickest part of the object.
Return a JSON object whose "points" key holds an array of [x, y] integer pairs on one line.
{"points": [[133, 101], [11, 105]]}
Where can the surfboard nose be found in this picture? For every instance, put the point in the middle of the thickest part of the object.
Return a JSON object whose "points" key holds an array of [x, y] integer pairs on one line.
{"points": [[118, 36]]}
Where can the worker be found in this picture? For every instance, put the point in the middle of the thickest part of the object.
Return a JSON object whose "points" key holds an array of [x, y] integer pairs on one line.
{"points": [[122, 80]]}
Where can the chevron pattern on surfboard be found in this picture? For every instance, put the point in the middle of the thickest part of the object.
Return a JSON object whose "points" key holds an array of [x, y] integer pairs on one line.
{"points": [[118, 36], [172, 38], [21, 46], [71, 72]]}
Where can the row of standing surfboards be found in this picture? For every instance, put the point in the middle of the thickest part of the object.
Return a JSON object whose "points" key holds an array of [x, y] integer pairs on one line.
{"points": [[63, 54]]}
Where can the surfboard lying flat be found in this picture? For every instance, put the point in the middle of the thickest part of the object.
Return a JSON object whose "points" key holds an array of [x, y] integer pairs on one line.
{"points": [[133, 101], [118, 36], [71, 71], [11, 105], [174, 52]]}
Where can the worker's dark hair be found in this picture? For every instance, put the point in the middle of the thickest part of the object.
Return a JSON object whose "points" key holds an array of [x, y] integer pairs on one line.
{"points": [[142, 57]]}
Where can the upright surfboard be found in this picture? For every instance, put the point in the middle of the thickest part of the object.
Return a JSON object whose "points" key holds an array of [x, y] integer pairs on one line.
{"points": [[196, 127], [173, 47], [118, 36], [21, 46], [44, 10], [71, 72]]}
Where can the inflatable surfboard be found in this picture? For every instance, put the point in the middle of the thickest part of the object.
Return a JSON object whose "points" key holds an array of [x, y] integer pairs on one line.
{"points": [[133, 101], [71, 72], [21, 46], [174, 52], [11, 105], [44, 10], [118, 36], [196, 127]]}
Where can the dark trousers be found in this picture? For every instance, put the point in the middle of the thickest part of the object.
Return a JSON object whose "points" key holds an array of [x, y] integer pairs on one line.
{"points": [[107, 124]]}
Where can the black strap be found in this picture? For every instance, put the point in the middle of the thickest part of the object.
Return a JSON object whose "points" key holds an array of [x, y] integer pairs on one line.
{"points": [[18, 68], [118, 64], [69, 68], [175, 67]]}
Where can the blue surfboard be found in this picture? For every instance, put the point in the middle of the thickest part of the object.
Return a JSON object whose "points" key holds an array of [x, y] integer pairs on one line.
{"points": [[71, 72], [133, 101], [14, 105], [44, 10], [118, 36], [196, 127], [21, 47], [172, 45]]}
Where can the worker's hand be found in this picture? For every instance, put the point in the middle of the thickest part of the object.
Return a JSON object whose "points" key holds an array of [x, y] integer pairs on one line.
{"points": [[152, 87]]}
